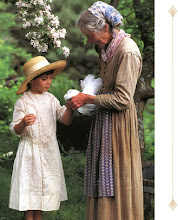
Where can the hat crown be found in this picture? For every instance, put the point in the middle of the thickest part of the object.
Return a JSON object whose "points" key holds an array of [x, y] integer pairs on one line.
{"points": [[34, 64]]}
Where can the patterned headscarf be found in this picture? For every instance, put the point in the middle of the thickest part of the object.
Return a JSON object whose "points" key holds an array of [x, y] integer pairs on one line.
{"points": [[107, 13]]}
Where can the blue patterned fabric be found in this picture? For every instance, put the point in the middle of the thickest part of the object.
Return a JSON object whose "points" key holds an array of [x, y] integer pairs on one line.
{"points": [[99, 175], [106, 12]]}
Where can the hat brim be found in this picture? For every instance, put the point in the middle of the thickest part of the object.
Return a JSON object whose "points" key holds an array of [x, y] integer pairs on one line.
{"points": [[57, 66]]}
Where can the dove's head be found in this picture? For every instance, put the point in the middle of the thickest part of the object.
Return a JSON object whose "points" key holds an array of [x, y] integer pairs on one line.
{"points": [[70, 94]]}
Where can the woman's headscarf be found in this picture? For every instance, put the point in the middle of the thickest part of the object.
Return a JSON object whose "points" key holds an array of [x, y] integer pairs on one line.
{"points": [[107, 13]]}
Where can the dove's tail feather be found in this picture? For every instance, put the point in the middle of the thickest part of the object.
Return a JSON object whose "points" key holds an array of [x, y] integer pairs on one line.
{"points": [[90, 85]]}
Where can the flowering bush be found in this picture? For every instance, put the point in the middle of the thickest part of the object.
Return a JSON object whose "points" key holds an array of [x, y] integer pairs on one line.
{"points": [[8, 154], [43, 25]]}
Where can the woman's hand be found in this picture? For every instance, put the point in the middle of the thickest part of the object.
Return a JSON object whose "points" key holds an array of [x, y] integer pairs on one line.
{"points": [[77, 101], [80, 100]]}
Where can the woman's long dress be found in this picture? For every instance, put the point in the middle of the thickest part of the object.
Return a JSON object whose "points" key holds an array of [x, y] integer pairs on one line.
{"points": [[38, 180], [120, 76]]}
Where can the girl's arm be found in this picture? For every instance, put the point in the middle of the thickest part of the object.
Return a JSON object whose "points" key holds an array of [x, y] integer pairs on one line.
{"points": [[67, 117], [26, 121]]}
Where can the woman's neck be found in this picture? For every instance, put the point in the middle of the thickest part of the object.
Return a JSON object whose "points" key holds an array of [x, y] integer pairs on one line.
{"points": [[110, 37]]}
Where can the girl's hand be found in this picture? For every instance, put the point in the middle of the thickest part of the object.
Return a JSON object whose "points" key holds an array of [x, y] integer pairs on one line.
{"points": [[26, 121], [29, 119], [68, 106]]}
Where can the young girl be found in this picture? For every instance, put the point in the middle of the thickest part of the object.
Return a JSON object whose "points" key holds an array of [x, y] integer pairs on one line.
{"points": [[37, 180]]}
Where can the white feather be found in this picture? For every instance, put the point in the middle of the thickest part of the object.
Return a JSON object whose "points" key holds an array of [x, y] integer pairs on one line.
{"points": [[90, 86]]}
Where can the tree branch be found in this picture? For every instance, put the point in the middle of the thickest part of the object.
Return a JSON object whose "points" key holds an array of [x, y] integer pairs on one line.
{"points": [[115, 3]]}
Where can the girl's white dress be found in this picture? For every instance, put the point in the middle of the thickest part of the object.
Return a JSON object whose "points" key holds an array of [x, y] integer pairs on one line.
{"points": [[38, 179]]}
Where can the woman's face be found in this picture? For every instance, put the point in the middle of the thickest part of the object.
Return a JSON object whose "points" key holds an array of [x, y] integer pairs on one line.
{"points": [[101, 38]]}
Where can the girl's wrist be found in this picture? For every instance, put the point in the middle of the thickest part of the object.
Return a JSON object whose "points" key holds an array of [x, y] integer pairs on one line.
{"points": [[23, 123], [68, 108]]}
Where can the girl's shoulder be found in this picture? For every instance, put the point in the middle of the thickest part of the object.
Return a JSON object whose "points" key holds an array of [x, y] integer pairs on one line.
{"points": [[20, 103], [20, 99]]}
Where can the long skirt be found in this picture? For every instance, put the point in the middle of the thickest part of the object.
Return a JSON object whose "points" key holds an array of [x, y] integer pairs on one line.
{"points": [[127, 203]]}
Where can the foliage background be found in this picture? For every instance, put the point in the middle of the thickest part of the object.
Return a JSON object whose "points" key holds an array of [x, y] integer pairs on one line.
{"points": [[15, 50]]}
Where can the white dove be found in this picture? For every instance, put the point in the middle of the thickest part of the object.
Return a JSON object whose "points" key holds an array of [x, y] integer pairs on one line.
{"points": [[90, 86]]}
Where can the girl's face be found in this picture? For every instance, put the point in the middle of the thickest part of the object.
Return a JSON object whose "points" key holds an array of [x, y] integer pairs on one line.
{"points": [[101, 38], [41, 84]]}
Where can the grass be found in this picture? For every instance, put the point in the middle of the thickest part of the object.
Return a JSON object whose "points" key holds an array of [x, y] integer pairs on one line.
{"points": [[5, 212]]}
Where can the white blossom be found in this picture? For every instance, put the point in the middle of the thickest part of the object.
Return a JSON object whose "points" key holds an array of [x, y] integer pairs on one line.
{"points": [[57, 43], [54, 34], [28, 35], [41, 13], [8, 154], [65, 51], [21, 4], [42, 48], [55, 22], [38, 20], [24, 13], [37, 2], [52, 16], [62, 33], [38, 35], [24, 20], [34, 43], [49, 15], [42, 26], [26, 24], [47, 8]]}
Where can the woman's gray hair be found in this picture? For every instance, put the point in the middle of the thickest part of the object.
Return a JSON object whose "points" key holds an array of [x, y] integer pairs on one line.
{"points": [[88, 21]]}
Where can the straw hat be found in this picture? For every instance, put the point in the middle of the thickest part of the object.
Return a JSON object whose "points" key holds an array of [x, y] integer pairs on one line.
{"points": [[37, 66]]}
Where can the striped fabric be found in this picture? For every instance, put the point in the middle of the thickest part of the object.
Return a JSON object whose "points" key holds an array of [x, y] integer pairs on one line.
{"points": [[99, 179]]}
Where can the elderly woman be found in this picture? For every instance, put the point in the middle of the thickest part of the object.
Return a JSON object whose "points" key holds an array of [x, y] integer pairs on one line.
{"points": [[113, 174]]}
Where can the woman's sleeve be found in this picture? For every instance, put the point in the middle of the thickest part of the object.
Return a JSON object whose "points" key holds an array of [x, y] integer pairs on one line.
{"points": [[60, 110], [128, 73], [18, 114]]}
